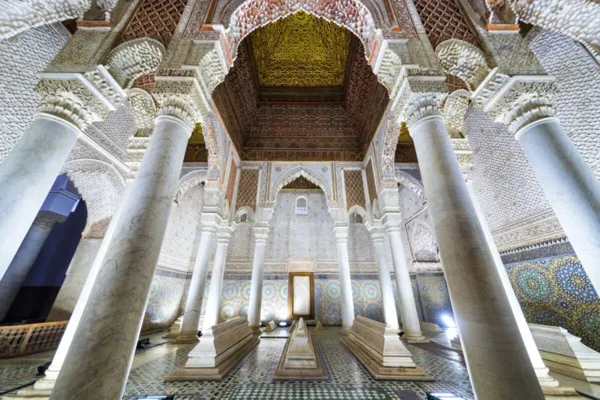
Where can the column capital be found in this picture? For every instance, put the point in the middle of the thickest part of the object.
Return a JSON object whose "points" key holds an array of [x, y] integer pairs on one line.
{"points": [[261, 234], [377, 233], [341, 233], [79, 98], [392, 222], [423, 106], [516, 101], [224, 232], [210, 222], [47, 219]]}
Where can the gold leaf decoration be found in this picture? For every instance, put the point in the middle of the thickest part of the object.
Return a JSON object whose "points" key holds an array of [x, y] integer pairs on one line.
{"points": [[301, 50]]}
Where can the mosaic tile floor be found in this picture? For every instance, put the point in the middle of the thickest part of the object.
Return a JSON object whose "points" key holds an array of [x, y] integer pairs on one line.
{"points": [[251, 379]]}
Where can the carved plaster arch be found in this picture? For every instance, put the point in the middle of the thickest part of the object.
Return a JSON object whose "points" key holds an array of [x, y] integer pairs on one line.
{"points": [[422, 238], [464, 60], [305, 172], [188, 181], [144, 111], [350, 14], [244, 210], [356, 209], [412, 184], [130, 60], [101, 186], [388, 151]]}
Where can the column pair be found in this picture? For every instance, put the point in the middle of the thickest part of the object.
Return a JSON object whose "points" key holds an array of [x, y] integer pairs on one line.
{"points": [[408, 308], [193, 306], [496, 356]]}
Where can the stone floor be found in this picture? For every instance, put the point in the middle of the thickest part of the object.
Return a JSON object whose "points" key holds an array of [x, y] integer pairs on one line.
{"points": [[251, 379]]}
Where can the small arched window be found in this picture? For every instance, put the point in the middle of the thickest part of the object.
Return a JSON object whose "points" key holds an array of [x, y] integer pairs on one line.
{"points": [[356, 218], [301, 206]]}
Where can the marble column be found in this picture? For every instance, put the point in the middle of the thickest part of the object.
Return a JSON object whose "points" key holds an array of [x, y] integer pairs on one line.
{"points": [[408, 306], [213, 302], [570, 186], [547, 382], [26, 255], [341, 237], [76, 275], [193, 304], [261, 234], [385, 280], [495, 354], [100, 356], [26, 176]]}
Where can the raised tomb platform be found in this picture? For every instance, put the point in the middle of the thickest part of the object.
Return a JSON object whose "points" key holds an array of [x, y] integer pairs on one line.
{"points": [[219, 350], [381, 352], [564, 353], [300, 360]]}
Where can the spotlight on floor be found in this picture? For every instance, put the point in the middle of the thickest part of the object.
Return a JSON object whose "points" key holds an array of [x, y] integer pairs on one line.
{"points": [[283, 324], [443, 396]]}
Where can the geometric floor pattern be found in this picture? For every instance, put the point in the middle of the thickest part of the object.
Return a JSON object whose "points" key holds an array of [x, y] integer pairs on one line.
{"points": [[252, 378]]}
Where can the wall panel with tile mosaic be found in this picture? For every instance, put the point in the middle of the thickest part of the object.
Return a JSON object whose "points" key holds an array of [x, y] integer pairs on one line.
{"points": [[165, 300], [556, 291]]}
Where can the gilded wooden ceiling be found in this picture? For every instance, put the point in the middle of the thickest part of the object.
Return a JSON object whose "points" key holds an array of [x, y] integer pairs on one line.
{"points": [[300, 50]]}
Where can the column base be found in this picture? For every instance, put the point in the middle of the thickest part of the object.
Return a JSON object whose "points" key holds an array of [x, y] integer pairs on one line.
{"points": [[345, 330], [415, 338], [30, 393], [560, 393], [186, 338], [256, 330]]}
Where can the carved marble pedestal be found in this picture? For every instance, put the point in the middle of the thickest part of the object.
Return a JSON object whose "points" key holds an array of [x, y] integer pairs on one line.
{"points": [[218, 351], [174, 329], [381, 352]]}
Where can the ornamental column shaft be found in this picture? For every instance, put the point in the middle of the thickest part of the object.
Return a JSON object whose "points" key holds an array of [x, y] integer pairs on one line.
{"points": [[546, 381], [496, 357], [570, 186], [341, 237], [193, 304], [213, 303], [387, 293], [25, 257], [408, 306], [258, 269], [100, 356], [26, 176]]}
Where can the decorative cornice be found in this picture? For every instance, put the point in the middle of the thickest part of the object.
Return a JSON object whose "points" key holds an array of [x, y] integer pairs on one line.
{"points": [[533, 230]]}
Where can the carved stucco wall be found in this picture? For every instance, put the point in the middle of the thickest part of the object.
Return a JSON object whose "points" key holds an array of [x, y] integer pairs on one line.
{"points": [[183, 231], [23, 57], [578, 81], [504, 182]]}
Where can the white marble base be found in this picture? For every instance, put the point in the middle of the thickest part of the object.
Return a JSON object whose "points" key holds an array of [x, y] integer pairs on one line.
{"points": [[174, 329], [381, 352], [270, 326], [218, 351], [564, 353]]}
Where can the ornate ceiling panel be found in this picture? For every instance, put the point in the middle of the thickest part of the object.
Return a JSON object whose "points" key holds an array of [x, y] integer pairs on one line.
{"points": [[300, 50], [444, 20]]}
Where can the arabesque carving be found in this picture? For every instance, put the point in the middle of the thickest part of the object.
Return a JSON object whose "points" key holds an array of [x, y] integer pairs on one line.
{"points": [[132, 59], [455, 109], [463, 60], [144, 111]]}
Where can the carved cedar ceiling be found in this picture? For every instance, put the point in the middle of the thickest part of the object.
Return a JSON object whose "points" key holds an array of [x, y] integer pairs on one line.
{"points": [[301, 90], [443, 20]]}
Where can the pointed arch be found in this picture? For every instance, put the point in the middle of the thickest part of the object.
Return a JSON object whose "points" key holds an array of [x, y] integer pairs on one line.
{"points": [[188, 181], [305, 172]]}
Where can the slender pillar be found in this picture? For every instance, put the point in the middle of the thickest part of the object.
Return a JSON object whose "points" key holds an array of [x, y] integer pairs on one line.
{"points": [[341, 237], [193, 304], [495, 354], [387, 294], [548, 383], [26, 176], [570, 186], [99, 358], [28, 252], [213, 303], [261, 235], [408, 307]]}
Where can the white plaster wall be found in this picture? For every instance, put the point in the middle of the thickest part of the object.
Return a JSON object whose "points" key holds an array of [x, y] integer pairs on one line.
{"points": [[22, 58], [578, 100], [504, 182]]}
